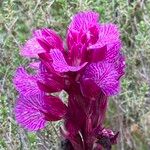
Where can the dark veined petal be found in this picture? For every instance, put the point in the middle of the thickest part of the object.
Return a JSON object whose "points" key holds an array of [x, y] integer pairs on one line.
{"points": [[55, 108], [33, 112], [60, 64], [47, 72], [24, 83], [97, 55], [27, 113], [84, 20], [113, 51], [83, 29], [48, 39], [72, 38], [46, 64], [47, 83], [31, 48], [108, 33], [44, 44], [77, 54], [109, 37], [94, 34], [108, 52], [82, 32], [49, 86], [104, 75], [49, 80], [90, 89], [42, 41]]}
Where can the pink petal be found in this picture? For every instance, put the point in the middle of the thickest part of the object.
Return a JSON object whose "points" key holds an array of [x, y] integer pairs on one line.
{"points": [[91, 93], [25, 83], [47, 83], [83, 29], [99, 54], [84, 20], [60, 64], [32, 112], [49, 80], [42, 40], [77, 54], [31, 48], [56, 109], [108, 52], [109, 37], [48, 39], [82, 32], [44, 44], [94, 34], [28, 115], [113, 51], [104, 75], [46, 67], [108, 33]]}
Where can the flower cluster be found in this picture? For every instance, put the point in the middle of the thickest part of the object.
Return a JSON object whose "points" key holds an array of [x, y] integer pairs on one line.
{"points": [[88, 68]]}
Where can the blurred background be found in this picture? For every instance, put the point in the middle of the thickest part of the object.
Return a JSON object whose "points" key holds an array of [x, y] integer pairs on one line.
{"points": [[129, 112]]}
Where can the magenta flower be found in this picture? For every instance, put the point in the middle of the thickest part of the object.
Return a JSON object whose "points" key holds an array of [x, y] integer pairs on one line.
{"points": [[89, 70]]}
